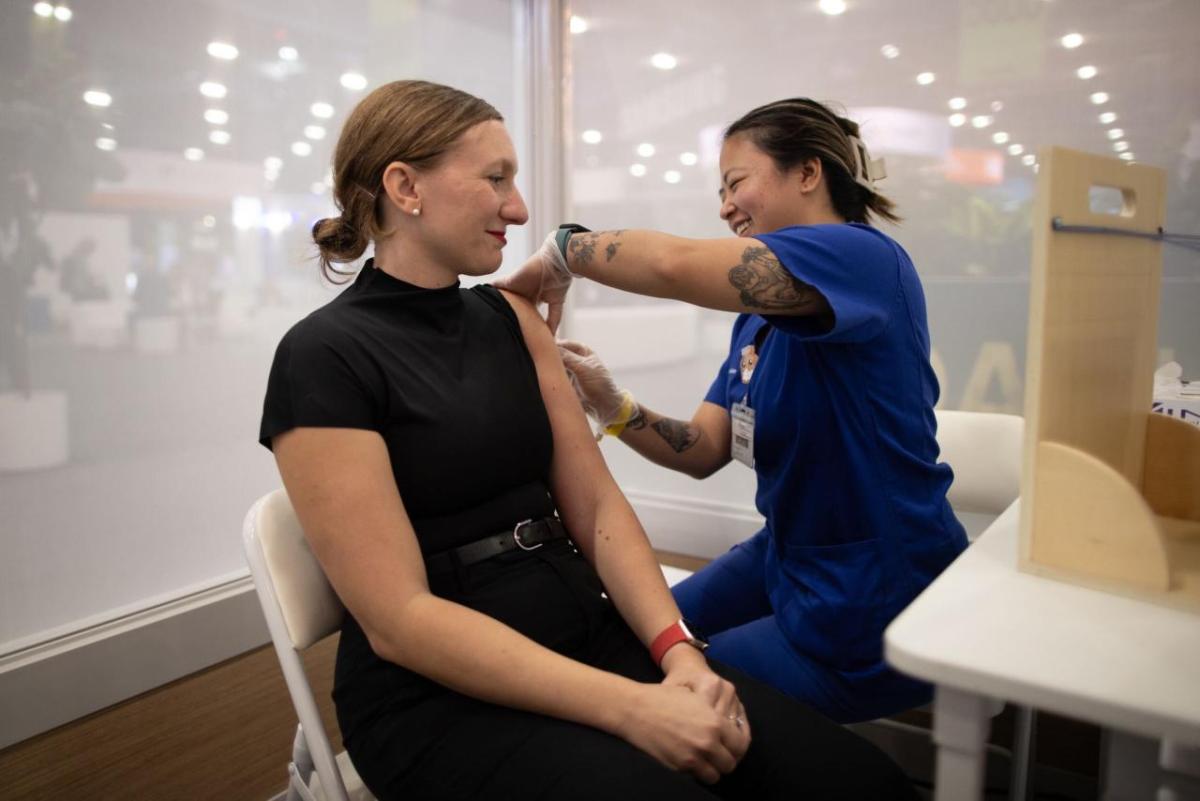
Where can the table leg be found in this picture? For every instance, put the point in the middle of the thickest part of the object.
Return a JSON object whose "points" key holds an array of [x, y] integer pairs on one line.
{"points": [[961, 722]]}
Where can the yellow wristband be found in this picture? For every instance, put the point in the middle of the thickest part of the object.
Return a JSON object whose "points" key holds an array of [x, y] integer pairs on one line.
{"points": [[624, 414]]}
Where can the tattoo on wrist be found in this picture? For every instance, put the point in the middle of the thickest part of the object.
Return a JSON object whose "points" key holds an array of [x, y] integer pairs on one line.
{"points": [[638, 420], [678, 434], [582, 246], [764, 283]]}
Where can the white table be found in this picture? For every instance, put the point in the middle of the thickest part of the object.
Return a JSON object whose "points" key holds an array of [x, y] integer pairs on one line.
{"points": [[984, 630]]}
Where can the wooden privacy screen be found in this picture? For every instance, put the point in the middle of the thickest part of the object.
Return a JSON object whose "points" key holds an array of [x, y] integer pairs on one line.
{"points": [[1110, 492]]}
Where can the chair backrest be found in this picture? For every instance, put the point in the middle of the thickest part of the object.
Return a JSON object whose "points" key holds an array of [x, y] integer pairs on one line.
{"points": [[984, 450], [300, 607]]}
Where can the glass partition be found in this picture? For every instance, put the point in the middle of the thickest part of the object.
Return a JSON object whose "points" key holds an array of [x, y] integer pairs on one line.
{"points": [[161, 165], [957, 95]]}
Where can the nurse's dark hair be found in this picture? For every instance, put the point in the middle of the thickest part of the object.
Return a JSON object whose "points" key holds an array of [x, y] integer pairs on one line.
{"points": [[795, 130], [411, 121]]}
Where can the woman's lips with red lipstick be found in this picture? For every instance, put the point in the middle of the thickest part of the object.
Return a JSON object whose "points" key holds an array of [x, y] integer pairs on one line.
{"points": [[499, 235]]}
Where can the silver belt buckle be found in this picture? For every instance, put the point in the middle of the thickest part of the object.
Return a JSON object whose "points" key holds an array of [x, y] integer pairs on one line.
{"points": [[517, 537]]}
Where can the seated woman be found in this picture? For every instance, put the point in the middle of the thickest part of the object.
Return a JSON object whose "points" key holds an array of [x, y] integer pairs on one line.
{"points": [[509, 633]]}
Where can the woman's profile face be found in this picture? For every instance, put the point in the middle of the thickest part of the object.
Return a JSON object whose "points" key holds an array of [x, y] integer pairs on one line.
{"points": [[470, 198], [756, 198]]}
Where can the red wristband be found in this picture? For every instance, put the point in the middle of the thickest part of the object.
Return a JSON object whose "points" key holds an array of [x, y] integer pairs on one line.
{"points": [[671, 636]]}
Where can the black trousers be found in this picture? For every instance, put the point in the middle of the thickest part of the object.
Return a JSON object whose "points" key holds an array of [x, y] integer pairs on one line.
{"points": [[447, 746]]}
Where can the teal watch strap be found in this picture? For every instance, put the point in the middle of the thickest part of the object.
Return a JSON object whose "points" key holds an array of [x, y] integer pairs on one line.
{"points": [[563, 235]]}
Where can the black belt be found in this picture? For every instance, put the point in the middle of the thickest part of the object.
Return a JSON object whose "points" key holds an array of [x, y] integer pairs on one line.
{"points": [[527, 535]]}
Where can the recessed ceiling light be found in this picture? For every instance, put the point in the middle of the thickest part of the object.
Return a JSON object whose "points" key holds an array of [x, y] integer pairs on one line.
{"points": [[578, 24], [322, 110], [832, 7], [1099, 98], [637, 170], [1000, 137], [981, 121], [1115, 133], [1072, 40], [672, 176], [1029, 159], [314, 132], [1126, 155], [1121, 146], [889, 51], [222, 50], [106, 143], [273, 163], [645, 150], [664, 61], [997, 105], [1087, 72], [213, 89], [688, 159], [354, 81], [1108, 117], [957, 120], [288, 53], [62, 14], [208, 221], [926, 78], [219, 137], [957, 103], [1016, 150], [301, 148], [216, 116], [193, 154], [592, 137], [98, 98], [43, 9]]}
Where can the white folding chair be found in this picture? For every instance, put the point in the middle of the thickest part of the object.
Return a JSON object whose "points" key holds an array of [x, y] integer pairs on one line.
{"points": [[301, 608]]}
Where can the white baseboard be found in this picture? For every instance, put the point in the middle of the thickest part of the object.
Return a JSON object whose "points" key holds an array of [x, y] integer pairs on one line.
{"points": [[693, 526], [55, 681]]}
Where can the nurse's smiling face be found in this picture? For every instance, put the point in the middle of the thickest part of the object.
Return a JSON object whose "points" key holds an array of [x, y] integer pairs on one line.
{"points": [[757, 197]]}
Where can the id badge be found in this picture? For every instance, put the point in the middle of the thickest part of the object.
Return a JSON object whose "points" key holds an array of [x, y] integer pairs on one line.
{"points": [[742, 428]]}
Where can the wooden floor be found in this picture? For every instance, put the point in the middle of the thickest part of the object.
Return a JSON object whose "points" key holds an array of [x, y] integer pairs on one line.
{"points": [[223, 733]]}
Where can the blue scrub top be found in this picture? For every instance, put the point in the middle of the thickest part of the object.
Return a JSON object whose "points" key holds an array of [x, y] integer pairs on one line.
{"points": [[844, 447]]}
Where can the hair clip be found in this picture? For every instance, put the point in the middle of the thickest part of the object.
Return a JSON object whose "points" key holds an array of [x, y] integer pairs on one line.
{"points": [[866, 169]]}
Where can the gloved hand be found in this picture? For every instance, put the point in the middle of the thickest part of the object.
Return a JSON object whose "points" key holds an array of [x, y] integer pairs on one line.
{"points": [[602, 399], [543, 278]]}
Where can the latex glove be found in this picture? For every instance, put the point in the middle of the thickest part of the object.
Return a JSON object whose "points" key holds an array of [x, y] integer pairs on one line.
{"points": [[599, 394], [543, 278]]}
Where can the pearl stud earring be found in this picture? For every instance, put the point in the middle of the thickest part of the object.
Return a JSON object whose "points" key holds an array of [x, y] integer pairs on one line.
{"points": [[417, 212]]}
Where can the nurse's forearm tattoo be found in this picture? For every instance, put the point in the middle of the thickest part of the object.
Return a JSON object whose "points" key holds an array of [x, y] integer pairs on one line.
{"points": [[678, 434], [582, 247], [764, 283]]}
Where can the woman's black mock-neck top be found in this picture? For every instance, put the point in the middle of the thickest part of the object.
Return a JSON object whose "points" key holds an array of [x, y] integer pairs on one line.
{"points": [[444, 377]]}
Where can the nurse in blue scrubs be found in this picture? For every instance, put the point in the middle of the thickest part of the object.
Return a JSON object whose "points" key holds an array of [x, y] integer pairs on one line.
{"points": [[826, 393]]}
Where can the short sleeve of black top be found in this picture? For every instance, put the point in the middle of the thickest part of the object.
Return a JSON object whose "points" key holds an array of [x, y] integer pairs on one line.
{"points": [[443, 375]]}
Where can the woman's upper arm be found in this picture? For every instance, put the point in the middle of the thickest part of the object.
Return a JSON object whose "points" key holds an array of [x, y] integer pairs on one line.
{"points": [[341, 485], [578, 472]]}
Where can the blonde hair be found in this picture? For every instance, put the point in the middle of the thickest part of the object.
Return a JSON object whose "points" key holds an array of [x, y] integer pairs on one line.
{"points": [[794, 130], [411, 121]]}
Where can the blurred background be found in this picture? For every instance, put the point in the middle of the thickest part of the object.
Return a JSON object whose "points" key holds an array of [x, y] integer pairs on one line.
{"points": [[161, 165]]}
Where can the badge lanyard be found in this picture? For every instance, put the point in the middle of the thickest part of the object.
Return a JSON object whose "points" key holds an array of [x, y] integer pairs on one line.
{"points": [[741, 446]]}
